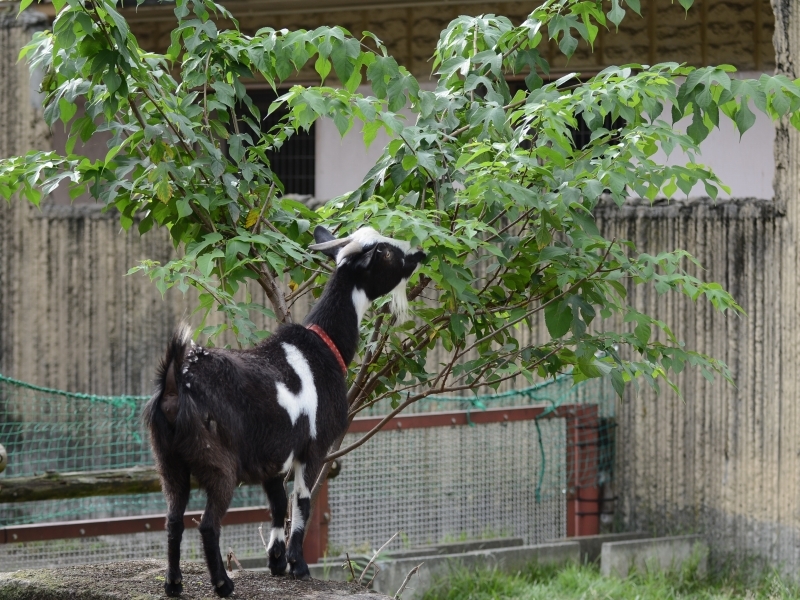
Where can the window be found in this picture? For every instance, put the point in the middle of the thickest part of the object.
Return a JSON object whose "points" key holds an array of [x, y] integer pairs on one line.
{"points": [[295, 163]]}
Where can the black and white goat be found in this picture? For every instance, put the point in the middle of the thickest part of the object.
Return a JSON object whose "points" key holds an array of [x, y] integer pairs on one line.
{"points": [[231, 416]]}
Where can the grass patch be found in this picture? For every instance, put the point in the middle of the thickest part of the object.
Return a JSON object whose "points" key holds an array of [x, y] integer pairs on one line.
{"points": [[586, 583]]}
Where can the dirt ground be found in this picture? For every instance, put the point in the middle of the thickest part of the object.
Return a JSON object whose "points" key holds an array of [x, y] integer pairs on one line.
{"points": [[144, 580]]}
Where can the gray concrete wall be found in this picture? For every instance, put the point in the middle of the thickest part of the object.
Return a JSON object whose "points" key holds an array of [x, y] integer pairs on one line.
{"points": [[434, 567], [592, 545], [669, 554], [724, 459]]}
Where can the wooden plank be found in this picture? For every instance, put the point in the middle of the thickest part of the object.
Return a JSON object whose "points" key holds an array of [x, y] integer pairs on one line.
{"points": [[83, 484], [38, 532], [458, 418]]}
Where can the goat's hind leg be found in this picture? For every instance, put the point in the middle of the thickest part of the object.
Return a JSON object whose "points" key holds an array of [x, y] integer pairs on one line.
{"points": [[218, 499], [175, 483], [276, 550], [304, 479]]}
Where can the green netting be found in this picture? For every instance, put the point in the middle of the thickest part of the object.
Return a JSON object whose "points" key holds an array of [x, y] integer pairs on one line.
{"points": [[45, 429]]}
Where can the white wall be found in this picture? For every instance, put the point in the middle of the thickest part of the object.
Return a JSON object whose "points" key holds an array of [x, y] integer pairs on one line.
{"points": [[341, 163], [747, 166]]}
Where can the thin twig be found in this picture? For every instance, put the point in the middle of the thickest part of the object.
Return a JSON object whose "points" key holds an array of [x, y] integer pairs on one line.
{"points": [[232, 555], [377, 570], [349, 563], [389, 541], [300, 289], [263, 541], [267, 200], [205, 89], [406, 580]]}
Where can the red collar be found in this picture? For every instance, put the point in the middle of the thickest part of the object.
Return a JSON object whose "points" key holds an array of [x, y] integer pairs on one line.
{"points": [[324, 337]]}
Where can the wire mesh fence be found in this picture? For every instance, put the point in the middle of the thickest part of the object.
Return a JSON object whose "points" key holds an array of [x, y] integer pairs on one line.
{"points": [[440, 484], [435, 484]]}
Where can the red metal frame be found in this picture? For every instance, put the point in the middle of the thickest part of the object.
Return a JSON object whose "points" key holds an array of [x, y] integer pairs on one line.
{"points": [[583, 494]]}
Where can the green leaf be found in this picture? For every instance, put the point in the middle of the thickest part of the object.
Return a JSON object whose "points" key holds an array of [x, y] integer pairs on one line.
{"points": [[618, 382], [163, 190], [744, 118], [459, 325], [558, 318], [322, 67], [616, 14], [205, 263], [643, 333], [567, 44], [635, 6], [697, 130], [67, 109]]}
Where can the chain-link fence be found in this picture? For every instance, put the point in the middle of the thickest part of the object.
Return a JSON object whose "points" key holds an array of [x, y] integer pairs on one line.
{"points": [[433, 483]]}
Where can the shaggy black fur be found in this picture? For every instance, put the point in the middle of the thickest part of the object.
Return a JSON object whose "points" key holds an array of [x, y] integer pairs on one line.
{"points": [[215, 412]]}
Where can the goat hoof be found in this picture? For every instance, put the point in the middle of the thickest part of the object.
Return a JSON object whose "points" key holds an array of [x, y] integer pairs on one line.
{"points": [[173, 589], [278, 566], [224, 587], [277, 558], [300, 571]]}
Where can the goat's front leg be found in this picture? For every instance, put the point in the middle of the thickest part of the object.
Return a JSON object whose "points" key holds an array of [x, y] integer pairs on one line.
{"points": [[304, 478], [175, 483], [218, 499], [276, 550]]}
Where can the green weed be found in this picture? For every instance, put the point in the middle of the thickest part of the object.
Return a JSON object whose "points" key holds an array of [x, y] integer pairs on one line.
{"points": [[585, 583]]}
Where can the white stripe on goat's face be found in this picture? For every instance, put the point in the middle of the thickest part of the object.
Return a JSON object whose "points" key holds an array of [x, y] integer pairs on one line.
{"points": [[364, 238], [305, 401]]}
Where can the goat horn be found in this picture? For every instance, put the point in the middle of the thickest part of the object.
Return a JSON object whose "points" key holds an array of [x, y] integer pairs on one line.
{"points": [[330, 244]]}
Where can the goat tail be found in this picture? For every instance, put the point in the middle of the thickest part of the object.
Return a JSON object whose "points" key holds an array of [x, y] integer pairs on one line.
{"points": [[166, 398]]}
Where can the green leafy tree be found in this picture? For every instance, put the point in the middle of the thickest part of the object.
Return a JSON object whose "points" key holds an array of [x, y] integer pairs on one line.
{"points": [[490, 183]]}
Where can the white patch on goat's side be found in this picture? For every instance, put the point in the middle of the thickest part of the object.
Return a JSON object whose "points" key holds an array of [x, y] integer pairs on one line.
{"points": [[276, 535], [360, 302], [287, 464], [399, 306], [304, 402], [364, 238]]}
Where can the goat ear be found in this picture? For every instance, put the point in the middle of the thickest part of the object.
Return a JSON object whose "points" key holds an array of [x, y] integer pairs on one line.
{"points": [[322, 235], [327, 243], [365, 259]]}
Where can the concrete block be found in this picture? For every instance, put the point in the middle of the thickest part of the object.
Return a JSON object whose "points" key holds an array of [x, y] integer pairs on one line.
{"points": [[591, 545], [394, 570], [457, 547], [663, 554]]}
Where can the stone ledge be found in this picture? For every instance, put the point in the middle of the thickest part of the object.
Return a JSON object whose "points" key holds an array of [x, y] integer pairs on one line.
{"points": [[592, 545], [655, 554], [393, 572]]}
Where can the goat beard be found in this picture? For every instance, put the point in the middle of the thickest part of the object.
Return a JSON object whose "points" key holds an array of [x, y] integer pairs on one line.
{"points": [[399, 304]]}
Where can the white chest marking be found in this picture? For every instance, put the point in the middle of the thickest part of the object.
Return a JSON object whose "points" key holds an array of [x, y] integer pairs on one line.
{"points": [[305, 401], [360, 302]]}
